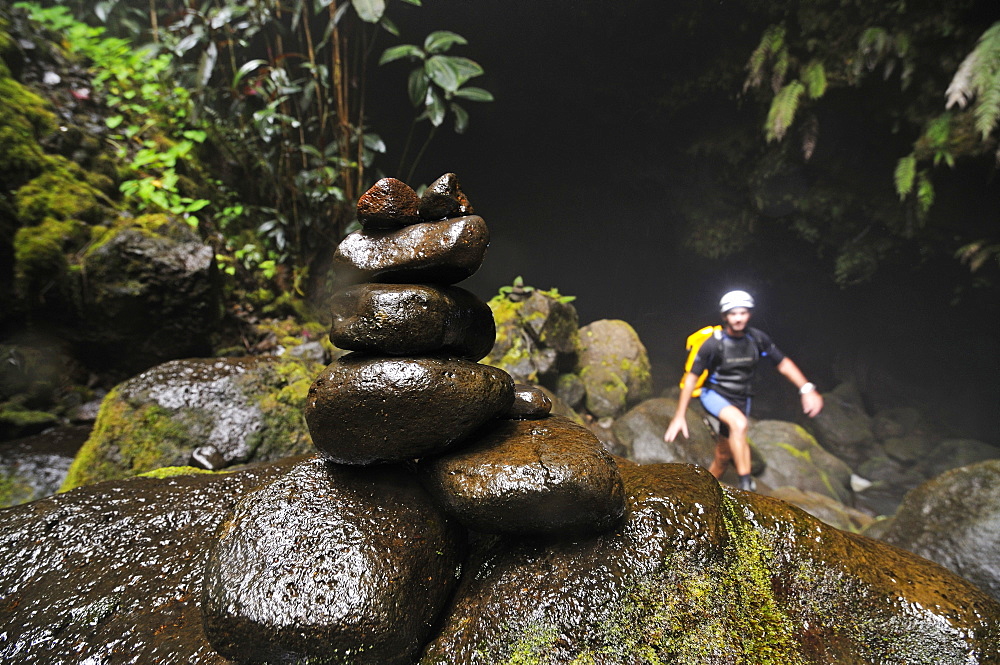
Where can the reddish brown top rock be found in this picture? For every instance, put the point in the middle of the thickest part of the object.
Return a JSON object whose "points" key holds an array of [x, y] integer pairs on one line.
{"points": [[388, 203]]}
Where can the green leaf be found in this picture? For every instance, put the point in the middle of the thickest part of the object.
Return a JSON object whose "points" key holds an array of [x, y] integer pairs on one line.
{"points": [[461, 118], [369, 11], [416, 86], [413, 2], [906, 171], [474, 94], [389, 26], [435, 109], [451, 72], [114, 121], [245, 69], [442, 40], [374, 142], [402, 51], [196, 135], [782, 111]]}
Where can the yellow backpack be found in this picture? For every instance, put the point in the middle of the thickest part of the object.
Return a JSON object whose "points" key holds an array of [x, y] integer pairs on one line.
{"points": [[694, 342]]}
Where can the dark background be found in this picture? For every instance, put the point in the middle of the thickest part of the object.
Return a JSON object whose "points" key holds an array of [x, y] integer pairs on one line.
{"points": [[577, 165]]}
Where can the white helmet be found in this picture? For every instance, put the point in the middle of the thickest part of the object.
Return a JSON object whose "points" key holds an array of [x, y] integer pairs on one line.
{"points": [[735, 299]]}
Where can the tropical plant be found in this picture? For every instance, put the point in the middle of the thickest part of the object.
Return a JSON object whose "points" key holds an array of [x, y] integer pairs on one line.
{"points": [[276, 93], [435, 84]]}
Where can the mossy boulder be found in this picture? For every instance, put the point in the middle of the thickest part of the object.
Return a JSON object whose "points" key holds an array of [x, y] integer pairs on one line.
{"points": [[211, 413], [537, 335], [614, 367], [699, 574], [150, 286], [793, 458], [954, 520]]}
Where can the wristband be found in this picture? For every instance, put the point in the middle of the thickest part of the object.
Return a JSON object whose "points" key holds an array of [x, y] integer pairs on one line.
{"points": [[807, 388]]}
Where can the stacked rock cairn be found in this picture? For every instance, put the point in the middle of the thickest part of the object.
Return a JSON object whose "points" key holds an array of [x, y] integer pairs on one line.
{"points": [[353, 555]]}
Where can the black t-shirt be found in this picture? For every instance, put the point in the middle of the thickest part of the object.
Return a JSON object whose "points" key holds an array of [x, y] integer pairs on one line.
{"points": [[731, 361]]}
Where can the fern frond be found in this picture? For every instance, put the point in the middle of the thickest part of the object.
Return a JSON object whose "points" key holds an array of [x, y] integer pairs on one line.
{"points": [[925, 194], [782, 111], [872, 45], [979, 77], [771, 43], [906, 171], [814, 77]]}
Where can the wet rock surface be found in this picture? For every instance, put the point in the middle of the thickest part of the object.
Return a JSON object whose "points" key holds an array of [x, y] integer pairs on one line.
{"points": [[154, 291], [332, 563], [529, 402], [365, 409], [955, 521], [210, 413], [112, 573], [675, 581], [547, 476], [428, 252], [35, 466], [443, 199], [411, 319], [388, 203]]}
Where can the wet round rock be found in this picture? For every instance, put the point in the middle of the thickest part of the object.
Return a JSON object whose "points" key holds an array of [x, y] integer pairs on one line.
{"points": [[364, 409], [389, 203], [548, 476], [411, 319], [444, 198], [331, 563], [529, 402], [428, 252]]}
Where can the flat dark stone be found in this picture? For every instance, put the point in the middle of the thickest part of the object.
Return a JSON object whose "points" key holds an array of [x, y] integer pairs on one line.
{"points": [[412, 319], [389, 203], [548, 476], [364, 409], [428, 252], [529, 402], [444, 198], [331, 563]]}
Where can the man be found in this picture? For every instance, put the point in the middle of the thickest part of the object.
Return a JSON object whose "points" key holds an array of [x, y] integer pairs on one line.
{"points": [[731, 359]]}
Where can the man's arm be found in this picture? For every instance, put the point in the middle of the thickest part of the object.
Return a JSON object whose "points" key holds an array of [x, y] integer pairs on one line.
{"points": [[812, 401], [679, 422]]}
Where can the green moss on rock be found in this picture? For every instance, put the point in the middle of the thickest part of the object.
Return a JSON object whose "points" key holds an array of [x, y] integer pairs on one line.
{"points": [[62, 192]]}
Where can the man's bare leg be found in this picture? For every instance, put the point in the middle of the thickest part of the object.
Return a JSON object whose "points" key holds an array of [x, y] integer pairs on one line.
{"points": [[739, 449], [723, 456]]}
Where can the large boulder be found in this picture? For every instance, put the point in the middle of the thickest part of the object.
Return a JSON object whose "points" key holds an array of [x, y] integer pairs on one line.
{"points": [[150, 287], [794, 459], [330, 563], [641, 431], [212, 413], [700, 574], [113, 573], [614, 367], [843, 428], [955, 521], [954, 453]]}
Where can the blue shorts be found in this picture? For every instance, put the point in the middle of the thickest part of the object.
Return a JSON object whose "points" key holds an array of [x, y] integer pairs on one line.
{"points": [[714, 403]]}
